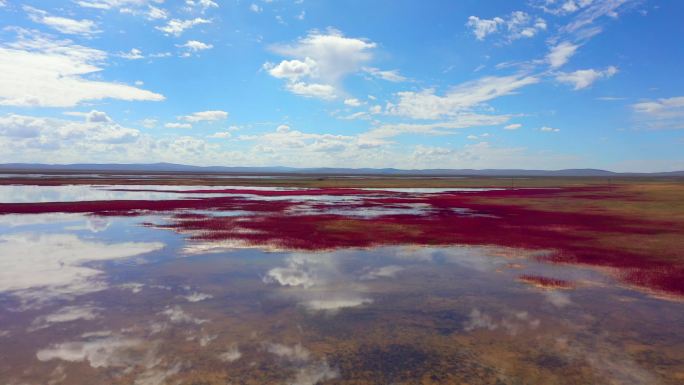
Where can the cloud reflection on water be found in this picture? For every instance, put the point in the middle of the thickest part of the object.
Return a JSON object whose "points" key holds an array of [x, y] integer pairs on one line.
{"points": [[318, 282], [40, 266], [330, 281], [309, 371], [66, 314]]}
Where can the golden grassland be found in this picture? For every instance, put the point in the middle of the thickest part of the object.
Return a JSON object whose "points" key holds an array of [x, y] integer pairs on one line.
{"points": [[653, 199], [656, 205]]}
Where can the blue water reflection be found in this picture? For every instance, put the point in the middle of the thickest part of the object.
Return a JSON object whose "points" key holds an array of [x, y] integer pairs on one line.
{"points": [[87, 300]]}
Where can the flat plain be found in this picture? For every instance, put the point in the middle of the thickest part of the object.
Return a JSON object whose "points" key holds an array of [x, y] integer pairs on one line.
{"points": [[305, 279]]}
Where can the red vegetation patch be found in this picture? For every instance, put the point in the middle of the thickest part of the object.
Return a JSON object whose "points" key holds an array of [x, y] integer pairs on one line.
{"points": [[668, 279], [140, 207], [274, 192], [546, 282], [444, 219]]}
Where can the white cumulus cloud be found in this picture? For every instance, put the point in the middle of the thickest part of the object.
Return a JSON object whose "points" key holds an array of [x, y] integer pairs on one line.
{"points": [[664, 113], [312, 90], [177, 125], [195, 45], [584, 78], [352, 102], [293, 69], [205, 116], [133, 54], [560, 54], [39, 71], [388, 75], [483, 27], [62, 24], [321, 61], [115, 4], [176, 27], [427, 105], [515, 26], [203, 5]]}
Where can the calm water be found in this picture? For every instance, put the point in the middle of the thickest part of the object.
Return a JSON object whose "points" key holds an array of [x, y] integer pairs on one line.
{"points": [[112, 300]]}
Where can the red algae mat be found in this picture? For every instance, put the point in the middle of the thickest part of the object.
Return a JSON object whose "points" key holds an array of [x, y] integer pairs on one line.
{"points": [[326, 219]]}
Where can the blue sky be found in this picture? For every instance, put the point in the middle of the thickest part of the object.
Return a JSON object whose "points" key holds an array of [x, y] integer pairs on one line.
{"points": [[542, 84]]}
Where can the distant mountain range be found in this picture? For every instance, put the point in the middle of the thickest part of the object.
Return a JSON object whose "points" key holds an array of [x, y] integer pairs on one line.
{"points": [[171, 167]]}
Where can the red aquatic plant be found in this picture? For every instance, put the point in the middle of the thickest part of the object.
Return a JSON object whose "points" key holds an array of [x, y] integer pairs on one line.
{"points": [[545, 282], [449, 218]]}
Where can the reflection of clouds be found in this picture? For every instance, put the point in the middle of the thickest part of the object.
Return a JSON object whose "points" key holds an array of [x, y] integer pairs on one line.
{"points": [[304, 270], [323, 281], [205, 247], [318, 282], [70, 193], [314, 373], [17, 220], [295, 353], [309, 371], [289, 276], [178, 316], [479, 320], [197, 297], [414, 253], [221, 213], [93, 224], [97, 224], [513, 324], [157, 327], [617, 366], [330, 281], [383, 272], [106, 350], [134, 287], [101, 333], [610, 361], [206, 339], [431, 190], [36, 266], [66, 314], [333, 304], [157, 376], [329, 199], [115, 351], [480, 258], [58, 375], [74, 193], [557, 298], [361, 211], [230, 355]]}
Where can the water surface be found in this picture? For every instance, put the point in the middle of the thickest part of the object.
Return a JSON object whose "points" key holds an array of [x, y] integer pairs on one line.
{"points": [[91, 299]]}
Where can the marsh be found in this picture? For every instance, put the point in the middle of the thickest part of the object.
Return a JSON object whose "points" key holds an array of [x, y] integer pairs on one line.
{"points": [[163, 283]]}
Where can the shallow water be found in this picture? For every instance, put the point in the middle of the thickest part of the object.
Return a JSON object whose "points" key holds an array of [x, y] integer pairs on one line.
{"points": [[89, 299], [75, 193]]}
